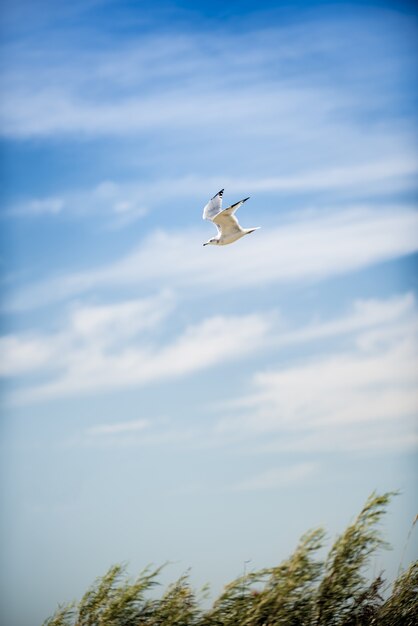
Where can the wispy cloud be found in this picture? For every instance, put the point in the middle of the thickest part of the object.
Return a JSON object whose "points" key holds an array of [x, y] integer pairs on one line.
{"points": [[117, 205], [109, 323], [36, 207], [20, 354], [310, 246], [61, 106], [268, 88], [371, 315], [123, 203], [276, 478], [110, 346], [121, 91], [335, 398], [132, 426], [102, 326], [215, 340], [358, 393], [136, 433]]}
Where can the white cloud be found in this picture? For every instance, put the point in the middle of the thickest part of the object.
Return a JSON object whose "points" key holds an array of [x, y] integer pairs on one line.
{"points": [[110, 346], [169, 80], [20, 354], [343, 397], [110, 323], [372, 315], [253, 87], [124, 203], [276, 478], [361, 388], [311, 246], [117, 205], [340, 389], [61, 104], [398, 436], [215, 340], [42, 206], [138, 433], [378, 176], [132, 426], [98, 326]]}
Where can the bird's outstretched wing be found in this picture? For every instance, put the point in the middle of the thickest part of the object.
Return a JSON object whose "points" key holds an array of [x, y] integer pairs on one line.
{"points": [[213, 207], [226, 219]]}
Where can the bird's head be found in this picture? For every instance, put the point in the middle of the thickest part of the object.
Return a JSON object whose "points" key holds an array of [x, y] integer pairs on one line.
{"points": [[213, 241]]}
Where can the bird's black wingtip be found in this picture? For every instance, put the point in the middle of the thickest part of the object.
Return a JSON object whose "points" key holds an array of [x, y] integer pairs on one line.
{"points": [[245, 199], [218, 194]]}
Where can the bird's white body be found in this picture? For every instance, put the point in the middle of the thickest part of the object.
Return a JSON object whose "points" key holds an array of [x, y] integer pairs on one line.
{"points": [[225, 221]]}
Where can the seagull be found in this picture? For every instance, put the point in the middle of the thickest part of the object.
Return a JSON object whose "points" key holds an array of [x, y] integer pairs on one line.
{"points": [[225, 221]]}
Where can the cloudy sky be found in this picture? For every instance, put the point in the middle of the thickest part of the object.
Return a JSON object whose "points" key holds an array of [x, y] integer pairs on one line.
{"points": [[162, 401]]}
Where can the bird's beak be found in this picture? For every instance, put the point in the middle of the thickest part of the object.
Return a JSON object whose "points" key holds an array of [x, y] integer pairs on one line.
{"points": [[205, 244]]}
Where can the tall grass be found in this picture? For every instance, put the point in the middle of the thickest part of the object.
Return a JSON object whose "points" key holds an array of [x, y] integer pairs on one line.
{"points": [[304, 590]]}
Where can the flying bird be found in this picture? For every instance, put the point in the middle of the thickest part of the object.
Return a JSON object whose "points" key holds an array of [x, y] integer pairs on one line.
{"points": [[225, 221]]}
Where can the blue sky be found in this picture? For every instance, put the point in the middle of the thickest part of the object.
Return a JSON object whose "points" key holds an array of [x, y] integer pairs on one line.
{"points": [[204, 406]]}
